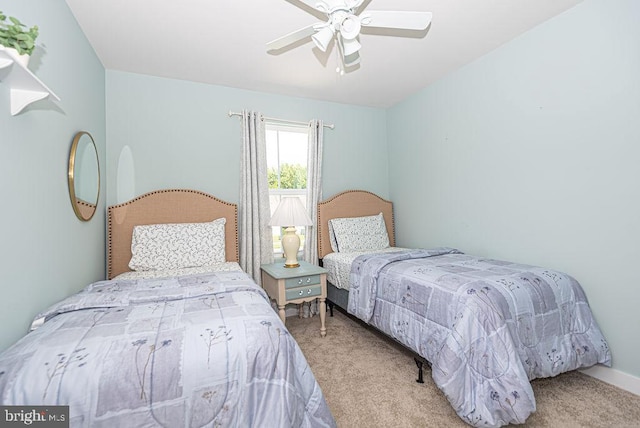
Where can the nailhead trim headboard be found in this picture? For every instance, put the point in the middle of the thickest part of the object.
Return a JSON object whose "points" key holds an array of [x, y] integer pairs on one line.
{"points": [[165, 206], [352, 203]]}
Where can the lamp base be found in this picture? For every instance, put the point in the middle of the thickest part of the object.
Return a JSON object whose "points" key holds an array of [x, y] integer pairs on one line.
{"points": [[290, 247]]}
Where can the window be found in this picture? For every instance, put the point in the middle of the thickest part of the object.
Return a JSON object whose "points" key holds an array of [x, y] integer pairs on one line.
{"points": [[286, 169]]}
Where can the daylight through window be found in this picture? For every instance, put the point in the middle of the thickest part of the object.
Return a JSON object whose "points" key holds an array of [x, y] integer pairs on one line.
{"points": [[286, 170]]}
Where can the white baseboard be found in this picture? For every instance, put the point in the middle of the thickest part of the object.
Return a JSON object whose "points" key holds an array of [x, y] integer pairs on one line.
{"points": [[614, 377]]}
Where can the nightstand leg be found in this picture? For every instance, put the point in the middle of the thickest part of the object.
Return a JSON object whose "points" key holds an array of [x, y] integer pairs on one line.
{"points": [[283, 315], [323, 311]]}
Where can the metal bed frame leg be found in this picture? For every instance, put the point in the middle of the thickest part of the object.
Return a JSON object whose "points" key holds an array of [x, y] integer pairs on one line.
{"points": [[419, 364], [330, 307]]}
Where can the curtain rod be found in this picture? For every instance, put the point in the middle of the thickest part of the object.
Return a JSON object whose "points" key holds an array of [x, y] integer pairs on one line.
{"points": [[273, 119]]}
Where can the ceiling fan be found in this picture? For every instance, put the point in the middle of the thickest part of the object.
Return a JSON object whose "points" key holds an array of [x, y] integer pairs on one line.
{"points": [[344, 22]]}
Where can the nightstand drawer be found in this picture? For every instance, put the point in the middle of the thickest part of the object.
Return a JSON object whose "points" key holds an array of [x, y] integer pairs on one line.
{"points": [[299, 293], [301, 281]]}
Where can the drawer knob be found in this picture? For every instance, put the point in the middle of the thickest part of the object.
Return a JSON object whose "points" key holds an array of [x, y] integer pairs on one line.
{"points": [[309, 291], [300, 281], [300, 293], [308, 280]]}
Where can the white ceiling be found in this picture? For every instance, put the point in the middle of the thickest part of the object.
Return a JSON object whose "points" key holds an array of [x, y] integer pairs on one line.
{"points": [[223, 42]]}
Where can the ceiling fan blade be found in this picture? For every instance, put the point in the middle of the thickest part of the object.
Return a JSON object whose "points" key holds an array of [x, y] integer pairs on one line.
{"points": [[323, 6], [362, 6], [291, 38], [309, 7], [404, 20], [354, 4]]}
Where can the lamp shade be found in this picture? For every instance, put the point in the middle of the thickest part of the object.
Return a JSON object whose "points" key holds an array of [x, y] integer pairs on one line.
{"points": [[290, 212]]}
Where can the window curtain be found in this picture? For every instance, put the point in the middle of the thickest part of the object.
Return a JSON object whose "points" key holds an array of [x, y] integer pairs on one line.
{"points": [[314, 188], [314, 195], [256, 246]]}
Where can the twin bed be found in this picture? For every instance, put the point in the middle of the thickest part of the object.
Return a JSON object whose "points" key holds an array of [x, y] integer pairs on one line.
{"points": [[487, 327], [184, 341], [176, 343]]}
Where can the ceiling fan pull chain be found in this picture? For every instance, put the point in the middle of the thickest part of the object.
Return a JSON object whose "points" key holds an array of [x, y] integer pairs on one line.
{"points": [[337, 55]]}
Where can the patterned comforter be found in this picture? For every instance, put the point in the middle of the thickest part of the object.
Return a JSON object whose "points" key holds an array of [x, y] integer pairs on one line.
{"points": [[193, 351], [487, 327]]}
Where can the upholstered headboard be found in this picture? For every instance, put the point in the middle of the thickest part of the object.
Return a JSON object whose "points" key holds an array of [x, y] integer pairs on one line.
{"points": [[352, 203], [165, 206]]}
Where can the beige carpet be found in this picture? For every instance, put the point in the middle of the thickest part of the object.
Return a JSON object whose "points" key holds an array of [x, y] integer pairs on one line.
{"points": [[369, 381]]}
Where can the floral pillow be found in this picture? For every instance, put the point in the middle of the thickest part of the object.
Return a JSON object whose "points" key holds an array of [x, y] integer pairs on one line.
{"points": [[177, 245], [360, 233]]}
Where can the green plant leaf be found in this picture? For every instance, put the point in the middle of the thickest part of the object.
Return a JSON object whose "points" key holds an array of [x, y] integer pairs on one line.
{"points": [[14, 34], [16, 21]]}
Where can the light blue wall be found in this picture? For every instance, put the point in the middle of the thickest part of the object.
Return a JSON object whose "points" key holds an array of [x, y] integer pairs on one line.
{"points": [[46, 253], [532, 154], [180, 136]]}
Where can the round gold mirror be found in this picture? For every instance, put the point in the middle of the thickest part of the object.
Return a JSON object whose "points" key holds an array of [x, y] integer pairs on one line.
{"points": [[84, 176]]}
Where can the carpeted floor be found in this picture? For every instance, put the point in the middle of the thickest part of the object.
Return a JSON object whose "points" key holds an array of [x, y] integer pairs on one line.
{"points": [[369, 381]]}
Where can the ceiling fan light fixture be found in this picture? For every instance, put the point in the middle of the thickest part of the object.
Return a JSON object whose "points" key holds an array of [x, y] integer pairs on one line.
{"points": [[351, 60], [348, 59], [350, 27], [349, 47], [323, 37], [345, 19]]}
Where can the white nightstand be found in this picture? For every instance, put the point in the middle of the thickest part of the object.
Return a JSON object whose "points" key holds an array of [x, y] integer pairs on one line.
{"points": [[296, 285]]}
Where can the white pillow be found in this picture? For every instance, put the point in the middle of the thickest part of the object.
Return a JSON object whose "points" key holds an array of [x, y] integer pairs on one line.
{"points": [[360, 233], [177, 246], [332, 238]]}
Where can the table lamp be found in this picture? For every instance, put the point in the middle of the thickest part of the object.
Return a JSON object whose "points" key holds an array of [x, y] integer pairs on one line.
{"points": [[289, 214]]}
